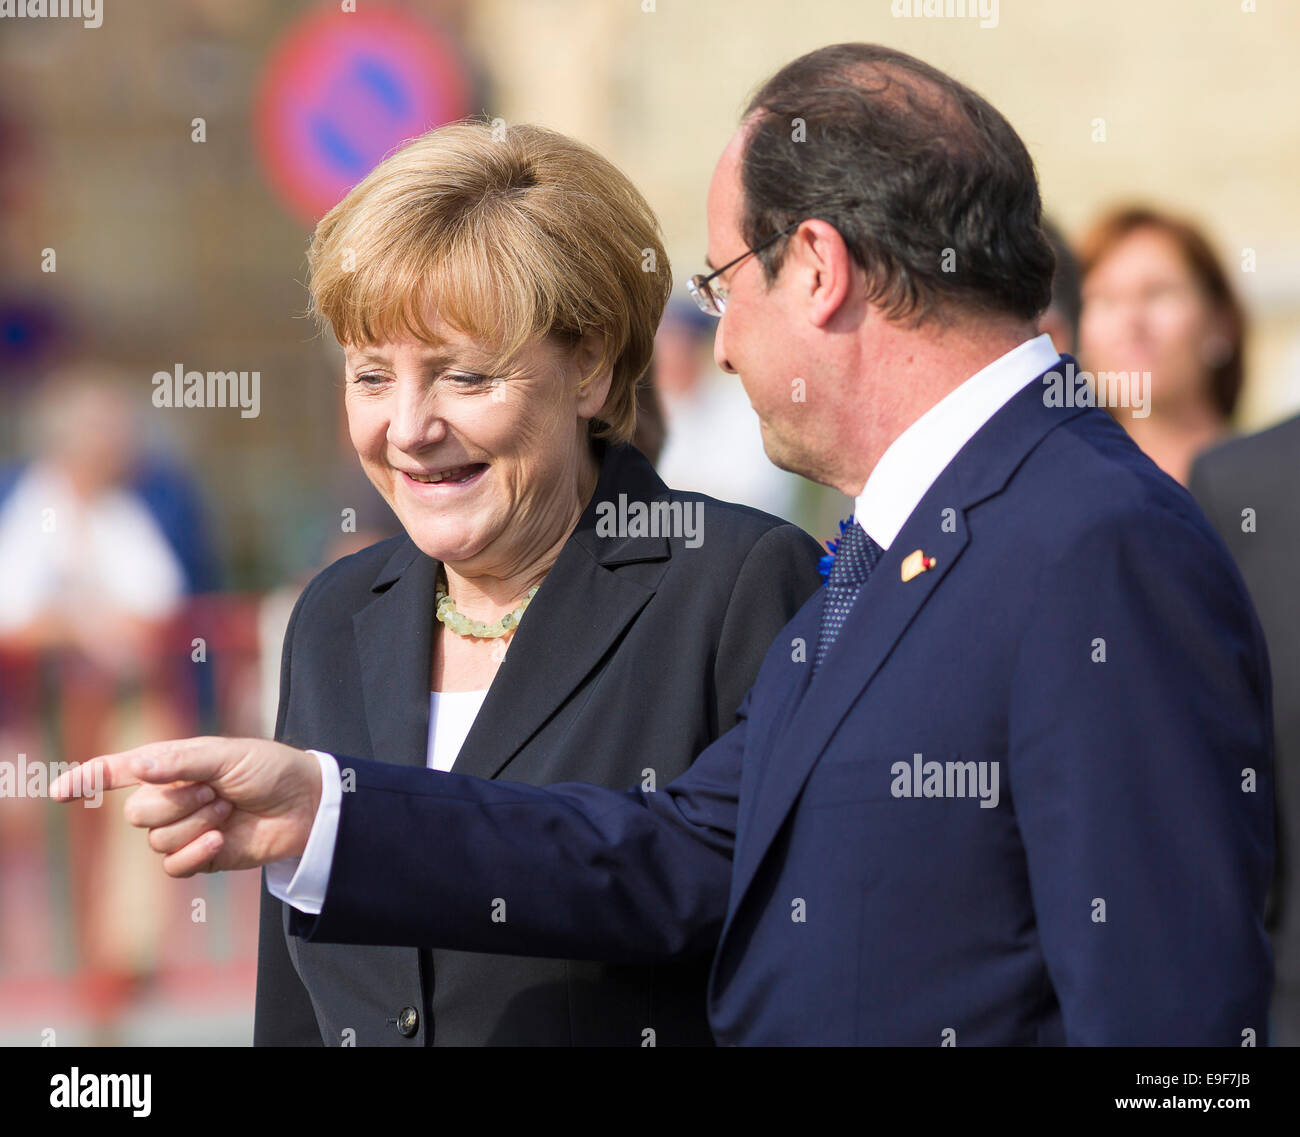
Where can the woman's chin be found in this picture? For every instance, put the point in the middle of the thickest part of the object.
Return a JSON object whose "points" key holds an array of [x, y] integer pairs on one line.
{"points": [[451, 548]]}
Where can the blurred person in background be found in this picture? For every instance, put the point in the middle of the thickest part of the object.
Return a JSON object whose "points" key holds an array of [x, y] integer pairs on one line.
{"points": [[1250, 487], [73, 534], [651, 430], [357, 518], [1156, 299], [88, 583], [713, 441], [509, 632], [1061, 319]]}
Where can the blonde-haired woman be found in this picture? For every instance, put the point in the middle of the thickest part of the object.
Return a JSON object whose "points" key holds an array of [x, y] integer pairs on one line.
{"points": [[553, 612]]}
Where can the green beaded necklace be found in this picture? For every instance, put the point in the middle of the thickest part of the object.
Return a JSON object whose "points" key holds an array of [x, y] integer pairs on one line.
{"points": [[463, 626]]}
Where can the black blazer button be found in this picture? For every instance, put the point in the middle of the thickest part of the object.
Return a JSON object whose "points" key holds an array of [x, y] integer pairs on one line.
{"points": [[408, 1021]]}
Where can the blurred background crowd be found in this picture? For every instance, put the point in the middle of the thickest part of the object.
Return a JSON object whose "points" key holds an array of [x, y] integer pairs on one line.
{"points": [[159, 177]]}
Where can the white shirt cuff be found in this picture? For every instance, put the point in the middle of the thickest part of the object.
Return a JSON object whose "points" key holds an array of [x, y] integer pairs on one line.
{"points": [[301, 881]]}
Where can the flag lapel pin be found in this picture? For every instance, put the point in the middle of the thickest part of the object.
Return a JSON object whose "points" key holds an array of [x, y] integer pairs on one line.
{"points": [[915, 563]]}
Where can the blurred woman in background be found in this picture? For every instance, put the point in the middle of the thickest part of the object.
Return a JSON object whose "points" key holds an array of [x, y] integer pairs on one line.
{"points": [[1156, 299]]}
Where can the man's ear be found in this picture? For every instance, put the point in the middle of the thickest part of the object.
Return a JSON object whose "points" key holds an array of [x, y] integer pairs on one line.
{"points": [[592, 395], [827, 268]]}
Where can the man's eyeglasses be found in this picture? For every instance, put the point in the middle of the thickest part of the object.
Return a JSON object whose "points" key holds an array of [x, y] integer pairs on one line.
{"points": [[712, 298]]}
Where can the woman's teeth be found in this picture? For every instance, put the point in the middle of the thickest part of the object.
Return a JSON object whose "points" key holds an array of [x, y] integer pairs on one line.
{"points": [[455, 474]]}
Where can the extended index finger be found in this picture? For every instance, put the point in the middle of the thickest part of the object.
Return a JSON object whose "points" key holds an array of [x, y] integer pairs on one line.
{"points": [[87, 779], [181, 759]]}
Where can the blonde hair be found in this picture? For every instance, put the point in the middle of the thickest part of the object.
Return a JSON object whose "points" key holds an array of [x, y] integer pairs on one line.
{"points": [[508, 234]]}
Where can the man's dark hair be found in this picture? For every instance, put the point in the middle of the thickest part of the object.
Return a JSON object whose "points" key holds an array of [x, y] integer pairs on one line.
{"points": [[930, 187]]}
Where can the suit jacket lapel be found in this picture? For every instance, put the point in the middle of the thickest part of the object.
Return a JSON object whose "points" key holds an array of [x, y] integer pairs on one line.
{"points": [[580, 612], [881, 614], [883, 611], [394, 635]]}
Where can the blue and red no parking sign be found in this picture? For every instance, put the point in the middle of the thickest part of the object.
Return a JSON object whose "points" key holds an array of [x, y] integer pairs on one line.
{"points": [[342, 89]]}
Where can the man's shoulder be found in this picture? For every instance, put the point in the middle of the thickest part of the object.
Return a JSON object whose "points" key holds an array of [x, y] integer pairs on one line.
{"points": [[1090, 520], [1090, 481], [1252, 459]]}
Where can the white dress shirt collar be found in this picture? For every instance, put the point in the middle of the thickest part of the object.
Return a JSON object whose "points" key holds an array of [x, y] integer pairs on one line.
{"points": [[919, 455]]}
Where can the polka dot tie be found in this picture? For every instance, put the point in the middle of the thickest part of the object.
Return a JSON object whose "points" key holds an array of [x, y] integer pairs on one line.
{"points": [[855, 556]]}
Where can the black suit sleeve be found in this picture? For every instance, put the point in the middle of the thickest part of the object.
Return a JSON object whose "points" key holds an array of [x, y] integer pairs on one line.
{"points": [[778, 576], [283, 1014]]}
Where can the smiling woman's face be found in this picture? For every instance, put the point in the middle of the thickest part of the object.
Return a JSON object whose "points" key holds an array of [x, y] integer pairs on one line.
{"points": [[484, 470]]}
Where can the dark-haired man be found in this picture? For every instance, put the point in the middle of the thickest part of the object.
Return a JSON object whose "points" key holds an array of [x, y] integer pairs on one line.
{"points": [[1005, 780]]}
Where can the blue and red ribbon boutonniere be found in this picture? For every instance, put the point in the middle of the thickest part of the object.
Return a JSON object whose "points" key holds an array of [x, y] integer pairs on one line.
{"points": [[828, 559]]}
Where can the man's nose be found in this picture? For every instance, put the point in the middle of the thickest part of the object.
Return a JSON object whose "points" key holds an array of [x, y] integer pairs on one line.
{"points": [[720, 350]]}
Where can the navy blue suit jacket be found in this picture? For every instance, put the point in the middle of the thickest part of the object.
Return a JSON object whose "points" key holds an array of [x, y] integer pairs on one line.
{"points": [[1083, 636]]}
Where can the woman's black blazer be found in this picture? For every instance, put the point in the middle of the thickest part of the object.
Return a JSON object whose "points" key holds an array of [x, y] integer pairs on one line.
{"points": [[632, 658]]}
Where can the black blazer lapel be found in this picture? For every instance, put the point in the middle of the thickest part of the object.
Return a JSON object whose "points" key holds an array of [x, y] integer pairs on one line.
{"points": [[577, 616], [394, 635]]}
